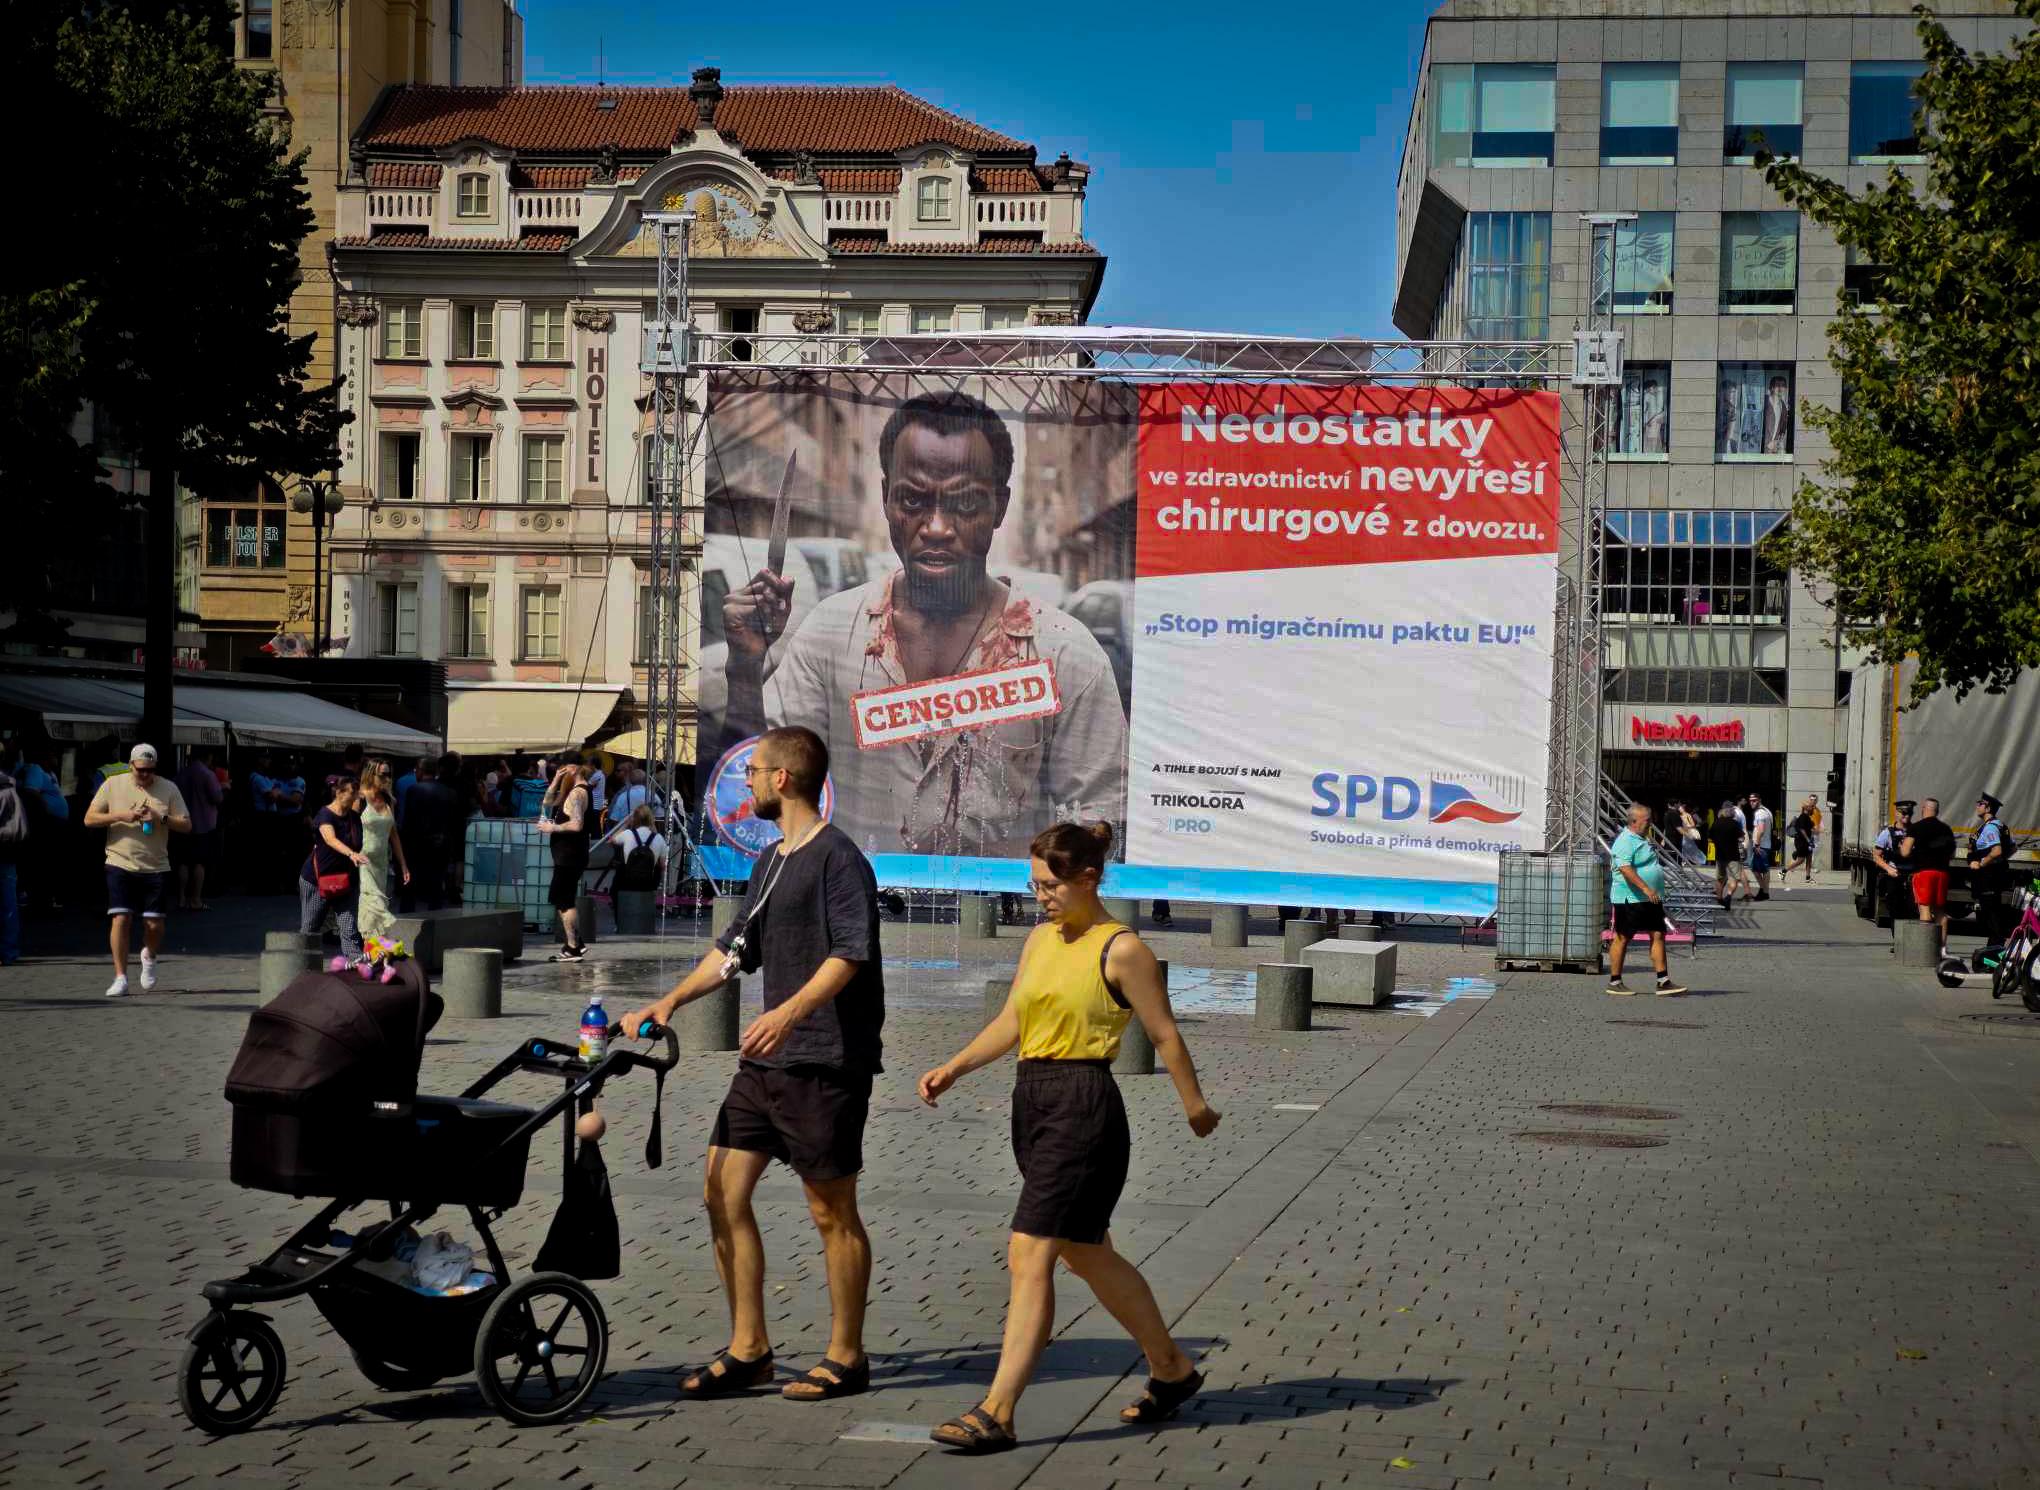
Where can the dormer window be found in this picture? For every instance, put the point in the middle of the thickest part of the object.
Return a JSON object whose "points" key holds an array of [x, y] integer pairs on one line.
{"points": [[472, 195], [932, 199]]}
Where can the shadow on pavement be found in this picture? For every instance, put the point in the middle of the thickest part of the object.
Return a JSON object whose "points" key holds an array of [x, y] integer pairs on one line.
{"points": [[1303, 1397]]}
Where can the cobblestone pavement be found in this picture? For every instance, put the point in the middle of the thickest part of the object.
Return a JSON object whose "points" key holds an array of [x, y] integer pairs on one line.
{"points": [[1822, 1272]]}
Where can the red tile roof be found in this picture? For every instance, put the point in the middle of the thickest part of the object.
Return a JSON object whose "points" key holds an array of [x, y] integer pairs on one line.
{"points": [[543, 240], [1004, 180], [410, 174], [763, 117], [990, 243], [551, 178], [878, 179]]}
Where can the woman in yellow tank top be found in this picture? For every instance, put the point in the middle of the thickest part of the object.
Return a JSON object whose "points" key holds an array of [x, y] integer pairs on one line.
{"points": [[1081, 978]]}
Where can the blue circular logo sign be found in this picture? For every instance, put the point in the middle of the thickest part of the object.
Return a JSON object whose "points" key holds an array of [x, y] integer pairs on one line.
{"points": [[732, 812]]}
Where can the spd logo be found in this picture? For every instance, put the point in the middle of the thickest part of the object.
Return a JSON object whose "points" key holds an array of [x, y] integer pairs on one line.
{"points": [[1399, 799]]}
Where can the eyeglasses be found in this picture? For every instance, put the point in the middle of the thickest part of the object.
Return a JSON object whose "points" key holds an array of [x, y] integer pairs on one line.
{"points": [[961, 505], [1043, 887], [752, 768]]}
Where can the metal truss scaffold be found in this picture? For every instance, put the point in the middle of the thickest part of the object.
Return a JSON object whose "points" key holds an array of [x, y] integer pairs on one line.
{"points": [[676, 355]]}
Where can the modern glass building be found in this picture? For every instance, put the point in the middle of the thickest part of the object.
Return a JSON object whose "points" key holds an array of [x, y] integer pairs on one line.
{"points": [[1720, 669]]}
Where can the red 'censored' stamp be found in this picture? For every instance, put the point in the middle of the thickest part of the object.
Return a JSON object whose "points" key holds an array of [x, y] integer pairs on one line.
{"points": [[888, 716]]}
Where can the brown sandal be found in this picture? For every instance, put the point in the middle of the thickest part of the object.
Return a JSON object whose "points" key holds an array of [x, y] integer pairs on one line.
{"points": [[974, 1432]]}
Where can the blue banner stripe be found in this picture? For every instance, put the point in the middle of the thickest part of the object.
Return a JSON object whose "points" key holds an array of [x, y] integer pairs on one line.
{"points": [[1150, 882]]}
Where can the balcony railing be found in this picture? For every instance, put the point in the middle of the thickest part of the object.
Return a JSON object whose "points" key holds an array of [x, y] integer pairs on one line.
{"points": [[858, 212], [548, 209], [1021, 214], [401, 207]]}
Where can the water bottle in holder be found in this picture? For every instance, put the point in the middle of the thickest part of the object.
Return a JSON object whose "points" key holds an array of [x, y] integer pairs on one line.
{"points": [[594, 1031]]}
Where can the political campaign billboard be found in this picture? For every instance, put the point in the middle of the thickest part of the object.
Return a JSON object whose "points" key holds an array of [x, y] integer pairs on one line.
{"points": [[1292, 641]]}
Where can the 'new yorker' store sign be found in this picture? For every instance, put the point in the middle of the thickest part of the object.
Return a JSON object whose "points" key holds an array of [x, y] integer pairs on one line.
{"points": [[1685, 729]]}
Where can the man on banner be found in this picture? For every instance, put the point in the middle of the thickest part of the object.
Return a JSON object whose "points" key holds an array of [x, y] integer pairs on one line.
{"points": [[898, 675]]}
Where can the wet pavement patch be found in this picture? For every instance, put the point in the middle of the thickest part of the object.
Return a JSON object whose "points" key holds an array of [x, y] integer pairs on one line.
{"points": [[1582, 1139], [1610, 1110]]}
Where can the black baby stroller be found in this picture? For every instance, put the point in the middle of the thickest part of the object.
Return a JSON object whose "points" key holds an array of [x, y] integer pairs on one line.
{"points": [[325, 1101]]}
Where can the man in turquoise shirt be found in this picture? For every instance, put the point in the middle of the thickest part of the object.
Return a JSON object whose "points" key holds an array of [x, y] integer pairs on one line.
{"points": [[1636, 889]]}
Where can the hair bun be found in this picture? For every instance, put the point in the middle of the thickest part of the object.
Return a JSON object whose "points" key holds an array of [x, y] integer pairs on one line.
{"points": [[1102, 831]]}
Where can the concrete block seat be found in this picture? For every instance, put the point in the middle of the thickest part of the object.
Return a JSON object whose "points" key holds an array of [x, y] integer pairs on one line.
{"points": [[430, 934], [1355, 975]]}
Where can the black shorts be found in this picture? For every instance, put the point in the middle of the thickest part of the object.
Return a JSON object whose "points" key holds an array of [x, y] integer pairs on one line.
{"points": [[565, 889], [811, 1118], [1639, 918], [130, 892], [1071, 1142]]}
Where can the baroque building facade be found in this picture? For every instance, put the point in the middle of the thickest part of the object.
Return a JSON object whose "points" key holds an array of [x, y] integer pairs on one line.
{"points": [[495, 275], [246, 562]]}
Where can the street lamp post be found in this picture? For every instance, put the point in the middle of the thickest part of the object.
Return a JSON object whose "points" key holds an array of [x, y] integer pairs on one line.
{"points": [[323, 500]]}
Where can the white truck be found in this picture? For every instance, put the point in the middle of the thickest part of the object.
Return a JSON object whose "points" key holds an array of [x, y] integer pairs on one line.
{"points": [[1945, 748]]}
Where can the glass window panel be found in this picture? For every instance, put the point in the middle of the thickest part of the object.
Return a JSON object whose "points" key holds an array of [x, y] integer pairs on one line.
{"points": [[260, 23], [1763, 99], [1753, 416], [1881, 108], [1703, 527], [1682, 528], [1759, 260], [1660, 528], [1643, 426], [1640, 93], [1451, 106], [1515, 97], [1643, 262]]}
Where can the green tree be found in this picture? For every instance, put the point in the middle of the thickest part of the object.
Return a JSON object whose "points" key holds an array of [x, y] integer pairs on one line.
{"points": [[1927, 527], [156, 284]]}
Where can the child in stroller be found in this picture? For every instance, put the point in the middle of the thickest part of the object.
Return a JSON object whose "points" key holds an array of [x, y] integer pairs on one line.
{"points": [[324, 1092]]}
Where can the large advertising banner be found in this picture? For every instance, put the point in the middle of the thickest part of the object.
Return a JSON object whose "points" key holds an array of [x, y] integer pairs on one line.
{"points": [[1293, 642], [1342, 654]]}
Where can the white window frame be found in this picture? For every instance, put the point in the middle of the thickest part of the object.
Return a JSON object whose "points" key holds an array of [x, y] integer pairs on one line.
{"points": [[474, 331], [552, 468], [403, 332], [467, 610], [1006, 316], [934, 319], [934, 199], [553, 613], [545, 328], [474, 467], [463, 205], [396, 618], [860, 320]]}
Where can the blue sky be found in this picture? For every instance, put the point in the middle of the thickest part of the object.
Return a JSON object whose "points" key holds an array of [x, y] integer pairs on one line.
{"points": [[1244, 160]]}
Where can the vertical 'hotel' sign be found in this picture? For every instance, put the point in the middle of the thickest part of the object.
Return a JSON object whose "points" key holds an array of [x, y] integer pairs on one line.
{"points": [[596, 324]]}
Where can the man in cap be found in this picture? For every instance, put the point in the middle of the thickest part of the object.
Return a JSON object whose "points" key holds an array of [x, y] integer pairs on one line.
{"points": [[1990, 866], [1894, 889], [139, 811]]}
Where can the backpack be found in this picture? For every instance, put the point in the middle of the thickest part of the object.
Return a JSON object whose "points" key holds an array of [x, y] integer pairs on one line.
{"points": [[640, 866], [13, 814]]}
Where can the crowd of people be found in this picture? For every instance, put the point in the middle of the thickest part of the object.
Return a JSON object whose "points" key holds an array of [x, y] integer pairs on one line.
{"points": [[272, 821], [1915, 851]]}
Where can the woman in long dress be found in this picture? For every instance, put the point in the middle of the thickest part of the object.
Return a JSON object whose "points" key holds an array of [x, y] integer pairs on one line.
{"points": [[380, 842]]}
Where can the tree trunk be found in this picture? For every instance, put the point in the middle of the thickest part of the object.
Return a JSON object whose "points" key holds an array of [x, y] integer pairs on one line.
{"points": [[159, 611]]}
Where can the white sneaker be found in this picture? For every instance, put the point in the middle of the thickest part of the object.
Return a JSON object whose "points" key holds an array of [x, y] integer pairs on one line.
{"points": [[117, 989], [148, 972]]}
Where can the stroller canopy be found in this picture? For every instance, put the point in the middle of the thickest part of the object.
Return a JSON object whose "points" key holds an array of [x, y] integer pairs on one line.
{"points": [[336, 1037]]}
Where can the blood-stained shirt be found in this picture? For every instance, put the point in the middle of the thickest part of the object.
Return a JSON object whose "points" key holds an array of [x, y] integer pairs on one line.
{"points": [[983, 791]]}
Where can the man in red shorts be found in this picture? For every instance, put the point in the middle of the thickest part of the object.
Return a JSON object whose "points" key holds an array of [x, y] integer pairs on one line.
{"points": [[1929, 847]]}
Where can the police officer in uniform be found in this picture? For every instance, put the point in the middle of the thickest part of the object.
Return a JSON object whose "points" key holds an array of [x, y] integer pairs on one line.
{"points": [[1892, 895]]}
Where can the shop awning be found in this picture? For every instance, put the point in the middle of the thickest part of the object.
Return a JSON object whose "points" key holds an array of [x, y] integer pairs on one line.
{"points": [[509, 721], [86, 709], [631, 745], [294, 720]]}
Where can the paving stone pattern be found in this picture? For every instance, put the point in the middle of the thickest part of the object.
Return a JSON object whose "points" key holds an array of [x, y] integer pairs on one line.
{"points": [[1823, 1276]]}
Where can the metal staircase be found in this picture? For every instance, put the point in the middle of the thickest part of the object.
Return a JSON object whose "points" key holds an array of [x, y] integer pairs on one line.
{"points": [[1689, 888]]}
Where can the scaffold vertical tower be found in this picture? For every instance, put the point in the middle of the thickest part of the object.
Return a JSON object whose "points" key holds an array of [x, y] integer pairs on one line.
{"points": [[675, 537]]}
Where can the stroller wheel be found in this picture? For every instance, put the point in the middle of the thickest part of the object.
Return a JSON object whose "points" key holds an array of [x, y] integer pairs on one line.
{"points": [[1949, 971], [394, 1378], [541, 1348], [231, 1374]]}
